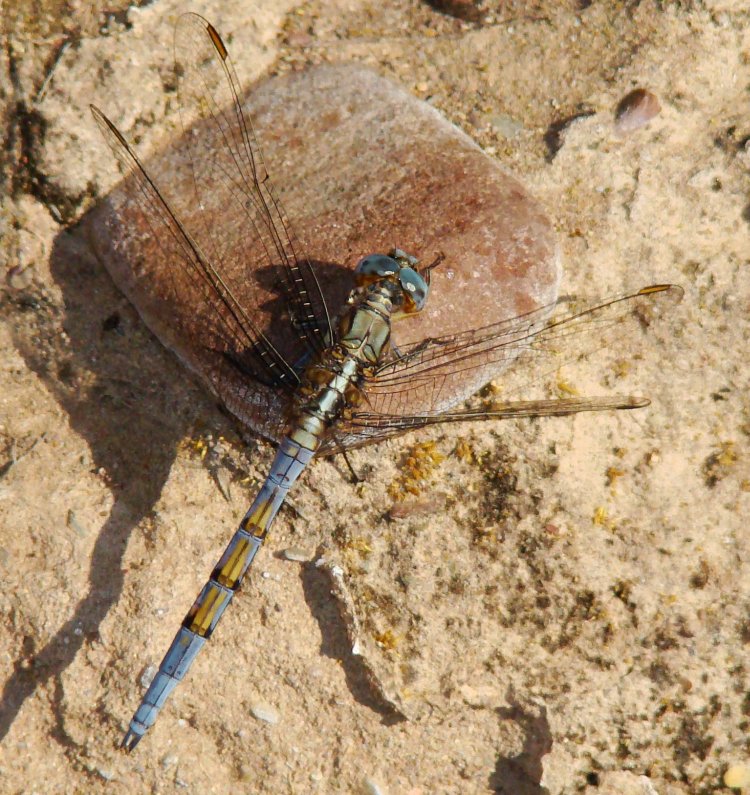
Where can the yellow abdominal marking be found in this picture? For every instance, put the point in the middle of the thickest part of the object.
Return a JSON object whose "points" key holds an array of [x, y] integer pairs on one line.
{"points": [[213, 600], [257, 522], [235, 565]]}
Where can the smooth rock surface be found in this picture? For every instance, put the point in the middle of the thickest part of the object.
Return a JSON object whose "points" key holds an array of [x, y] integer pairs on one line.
{"points": [[360, 166]]}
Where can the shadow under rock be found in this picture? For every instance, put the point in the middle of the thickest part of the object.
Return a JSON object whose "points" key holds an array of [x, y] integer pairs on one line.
{"points": [[522, 774], [118, 388], [336, 644], [126, 395]]}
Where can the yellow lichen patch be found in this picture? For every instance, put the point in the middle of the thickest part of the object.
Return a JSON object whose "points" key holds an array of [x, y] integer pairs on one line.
{"points": [[621, 367], [419, 466], [727, 454], [565, 388], [612, 474], [202, 444], [196, 448], [493, 389], [464, 451], [603, 519], [486, 537], [361, 545], [347, 541], [387, 639], [720, 463]]}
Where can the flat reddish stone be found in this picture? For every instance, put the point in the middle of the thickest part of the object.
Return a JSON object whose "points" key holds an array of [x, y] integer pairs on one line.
{"points": [[361, 166]]}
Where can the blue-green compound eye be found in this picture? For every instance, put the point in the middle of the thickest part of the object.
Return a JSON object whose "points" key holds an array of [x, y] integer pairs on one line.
{"points": [[402, 255], [377, 265], [414, 286]]}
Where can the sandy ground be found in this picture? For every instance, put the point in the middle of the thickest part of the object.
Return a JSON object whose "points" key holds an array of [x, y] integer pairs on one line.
{"points": [[568, 608]]}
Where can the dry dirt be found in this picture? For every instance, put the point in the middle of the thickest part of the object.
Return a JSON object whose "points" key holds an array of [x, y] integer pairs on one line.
{"points": [[566, 609]]}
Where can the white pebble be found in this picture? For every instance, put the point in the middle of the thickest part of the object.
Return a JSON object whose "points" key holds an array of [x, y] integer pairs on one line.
{"points": [[370, 787], [737, 777], [265, 712], [169, 760], [297, 554]]}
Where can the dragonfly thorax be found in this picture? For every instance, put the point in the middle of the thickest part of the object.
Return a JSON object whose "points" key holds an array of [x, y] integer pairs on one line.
{"points": [[388, 287]]}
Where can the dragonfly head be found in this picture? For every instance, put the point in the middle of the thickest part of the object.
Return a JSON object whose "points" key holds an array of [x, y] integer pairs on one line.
{"points": [[399, 268]]}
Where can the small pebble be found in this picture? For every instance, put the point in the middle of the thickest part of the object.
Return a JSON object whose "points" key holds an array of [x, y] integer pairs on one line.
{"points": [[299, 39], [169, 760], [371, 787], [265, 712], [107, 775], [223, 480], [737, 776], [20, 277], [636, 110], [505, 126], [297, 554], [74, 524], [648, 787], [467, 10], [417, 507], [246, 772]]}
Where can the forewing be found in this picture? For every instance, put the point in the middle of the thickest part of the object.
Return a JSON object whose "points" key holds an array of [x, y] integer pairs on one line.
{"points": [[415, 387], [231, 335], [232, 185]]}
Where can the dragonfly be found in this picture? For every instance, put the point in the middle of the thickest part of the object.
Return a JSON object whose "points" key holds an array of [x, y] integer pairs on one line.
{"points": [[343, 382]]}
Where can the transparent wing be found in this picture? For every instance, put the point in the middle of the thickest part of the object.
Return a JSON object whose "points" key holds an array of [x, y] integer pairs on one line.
{"points": [[232, 335], [412, 389], [231, 184], [390, 425]]}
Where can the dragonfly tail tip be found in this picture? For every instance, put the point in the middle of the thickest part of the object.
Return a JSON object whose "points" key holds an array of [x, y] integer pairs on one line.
{"points": [[130, 740]]}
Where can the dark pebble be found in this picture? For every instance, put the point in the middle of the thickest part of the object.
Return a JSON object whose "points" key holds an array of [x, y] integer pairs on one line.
{"points": [[467, 10], [635, 110]]}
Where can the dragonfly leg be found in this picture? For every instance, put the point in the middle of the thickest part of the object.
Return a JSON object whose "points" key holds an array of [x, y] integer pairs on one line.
{"points": [[356, 477], [427, 272]]}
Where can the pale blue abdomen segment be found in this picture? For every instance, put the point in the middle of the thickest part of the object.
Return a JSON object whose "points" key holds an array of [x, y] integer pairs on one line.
{"points": [[217, 593]]}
